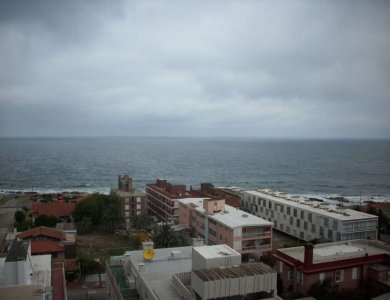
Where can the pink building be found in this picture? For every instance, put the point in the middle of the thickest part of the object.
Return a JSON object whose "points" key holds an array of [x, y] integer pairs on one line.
{"points": [[218, 223], [347, 264]]}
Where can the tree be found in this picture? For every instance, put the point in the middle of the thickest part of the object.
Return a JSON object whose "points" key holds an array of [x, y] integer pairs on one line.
{"points": [[323, 290], [44, 220], [141, 222], [102, 211], [19, 216], [166, 237], [24, 225], [85, 225], [112, 216], [268, 259], [91, 266]]}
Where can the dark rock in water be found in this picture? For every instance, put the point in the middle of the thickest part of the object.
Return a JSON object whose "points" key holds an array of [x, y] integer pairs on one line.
{"points": [[341, 199], [316, 199]]}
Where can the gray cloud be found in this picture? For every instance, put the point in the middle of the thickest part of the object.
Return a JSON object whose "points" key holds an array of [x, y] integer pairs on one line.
{"points": [[254, 68]]}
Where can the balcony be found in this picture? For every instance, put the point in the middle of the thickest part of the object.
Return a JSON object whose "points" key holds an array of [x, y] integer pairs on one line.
{"points": [[253, 235], [256, 247]]}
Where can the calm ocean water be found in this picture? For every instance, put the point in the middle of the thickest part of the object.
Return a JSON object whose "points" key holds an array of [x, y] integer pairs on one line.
{"points": [[307, 167]]}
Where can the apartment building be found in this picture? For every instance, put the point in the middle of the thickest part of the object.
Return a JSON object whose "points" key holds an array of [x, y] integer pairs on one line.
{"points": [[346, 264], [208, 190], [162, 199], [218, 223], [190, 273], [308, 219], [132, 201]]}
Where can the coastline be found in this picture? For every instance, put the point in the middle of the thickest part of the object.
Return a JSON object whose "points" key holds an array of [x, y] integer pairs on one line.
{"points": [[333, 198]]}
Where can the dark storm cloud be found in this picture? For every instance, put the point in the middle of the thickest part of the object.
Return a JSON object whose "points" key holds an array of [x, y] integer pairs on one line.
{"points": [[253, 68]]}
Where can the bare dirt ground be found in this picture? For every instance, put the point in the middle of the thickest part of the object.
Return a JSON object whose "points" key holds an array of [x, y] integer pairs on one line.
{"points": [[103, 244]]}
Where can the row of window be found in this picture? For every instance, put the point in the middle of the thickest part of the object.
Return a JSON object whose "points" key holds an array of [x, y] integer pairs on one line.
{"points": [[338, 275]]}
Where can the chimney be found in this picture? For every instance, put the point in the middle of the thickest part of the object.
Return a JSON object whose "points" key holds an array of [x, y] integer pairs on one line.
{"points": [[196, 242], [308, 255]]}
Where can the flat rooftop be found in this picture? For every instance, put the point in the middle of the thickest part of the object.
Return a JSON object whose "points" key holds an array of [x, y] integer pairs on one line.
{"points": [[131, 193], [321, 208], [41, 265], [251, 269], [157, 273], [215, 251], [339, 250], [231, 217]]}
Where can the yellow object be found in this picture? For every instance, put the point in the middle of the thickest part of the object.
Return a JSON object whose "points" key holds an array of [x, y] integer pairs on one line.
{"points": [[148, 254]]}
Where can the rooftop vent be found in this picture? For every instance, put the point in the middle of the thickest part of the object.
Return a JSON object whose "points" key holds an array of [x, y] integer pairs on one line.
{"points": [[245, 216], [175, 254]]}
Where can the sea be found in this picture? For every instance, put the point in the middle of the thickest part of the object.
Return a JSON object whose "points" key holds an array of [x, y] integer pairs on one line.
{"points": [[358, 170]]}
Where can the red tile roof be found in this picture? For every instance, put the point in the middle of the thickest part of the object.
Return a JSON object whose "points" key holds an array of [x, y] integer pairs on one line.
{"points": [[70, 264], [58, 209], [382, 206], [58, 281], [42, 231], [40, 247]]}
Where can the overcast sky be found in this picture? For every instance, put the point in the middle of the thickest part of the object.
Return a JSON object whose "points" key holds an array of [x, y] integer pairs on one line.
{"points": [[294, 69]]}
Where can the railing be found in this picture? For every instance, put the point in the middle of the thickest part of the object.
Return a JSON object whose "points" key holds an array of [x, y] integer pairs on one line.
{"points": [[256, 247], [180, 287], [256, 234], [113, 283]]}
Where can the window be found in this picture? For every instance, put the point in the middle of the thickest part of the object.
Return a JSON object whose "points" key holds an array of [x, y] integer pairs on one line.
{"points": [[310, 217], [291, 220], [302, 214], [330, 234], [305, 225], [299, 277], [298, 223], [322, 277], [282, 208], [326, 222], [288, 210], [335, 224], [280, 267], [290, 275], [339, 276], [127, 200], [126, 207], [321, 231], [269, 204], [354, 273], [295, 212], [313, 228]]}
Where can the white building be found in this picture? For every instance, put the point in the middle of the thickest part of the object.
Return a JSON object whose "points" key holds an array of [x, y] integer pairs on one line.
{"points": [[309, 219], [219, 223], [23, 275], [204, 272]]}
